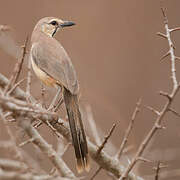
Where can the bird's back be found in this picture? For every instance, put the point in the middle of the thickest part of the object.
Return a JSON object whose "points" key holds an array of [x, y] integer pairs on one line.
{"points": [[52, 58]]}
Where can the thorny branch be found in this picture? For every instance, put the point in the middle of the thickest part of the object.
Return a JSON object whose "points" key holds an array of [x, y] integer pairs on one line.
{"points": [[96, 173], [159, 166], [46, 149], [106, 139], [103, 159], [171, 50], [101, 148], [26, 176], [28, 86], [93, 126], [12, 138], [128, 131], [170, 97], [15, 75]]}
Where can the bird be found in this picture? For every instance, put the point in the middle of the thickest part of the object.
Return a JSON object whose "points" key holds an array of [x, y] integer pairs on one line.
{"points": [[53, 66]]}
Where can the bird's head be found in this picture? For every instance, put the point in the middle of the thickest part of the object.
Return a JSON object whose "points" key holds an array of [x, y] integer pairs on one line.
{"points": [[50, 25]]}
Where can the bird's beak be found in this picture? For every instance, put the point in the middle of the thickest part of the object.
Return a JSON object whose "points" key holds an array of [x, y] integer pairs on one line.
{"points": [[67, 23]]}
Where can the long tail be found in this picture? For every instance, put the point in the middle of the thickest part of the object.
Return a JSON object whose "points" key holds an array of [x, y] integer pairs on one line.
{"points": [[77, 131]]}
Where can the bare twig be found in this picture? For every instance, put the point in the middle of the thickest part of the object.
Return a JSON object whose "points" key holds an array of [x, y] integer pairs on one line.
{"points": [[157, 125], [106, 139], [174, 112], [157, 170], [17, 93], [59, 103], [174, 29], [43, 90], [107, 162], [144, 160], [28, 86], [26, 142], [165, 55], [159, 166], [177, 58], [24, 106], [62, 146], [8, 43], [52, 105], [15, 75], [153, 110], [171, 174], [96, 173], [166, 95], [46, 149], [24, 176], [15, 86], [129, 129], [53, 129], [171, 49], [161, 35], [12, 138], [92, 125], [12, 165], [24, 47]]}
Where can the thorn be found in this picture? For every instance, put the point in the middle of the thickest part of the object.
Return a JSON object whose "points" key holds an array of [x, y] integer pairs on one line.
{"points": [[53, 129], [158, 126], [165, 95], [157, 169], [174, 29], [96, 173], [129, 161], [17, 69], [106, 139], [175, 112], [129, 129], [161, 35], [145, 160], [15, 86], [59, 103], [174, 47], [153, 110], [28, 84], [160, 166], [164, 56], [177, 58], [163, 127], [139, 103], [20, 63], [37, 124], [26, 142]]}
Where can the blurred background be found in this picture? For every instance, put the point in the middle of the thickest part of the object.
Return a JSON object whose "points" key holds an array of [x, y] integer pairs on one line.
{"points": [[116, 53]]}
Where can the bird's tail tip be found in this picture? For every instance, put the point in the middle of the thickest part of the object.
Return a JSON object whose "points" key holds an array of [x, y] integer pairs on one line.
{"points": [[83, 164]]}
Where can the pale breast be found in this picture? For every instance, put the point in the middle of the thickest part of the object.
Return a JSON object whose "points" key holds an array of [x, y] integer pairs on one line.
{"points": [[44, 77]]}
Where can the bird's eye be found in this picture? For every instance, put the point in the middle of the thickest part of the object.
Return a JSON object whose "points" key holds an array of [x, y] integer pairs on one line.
{"points": [[54, 23]]}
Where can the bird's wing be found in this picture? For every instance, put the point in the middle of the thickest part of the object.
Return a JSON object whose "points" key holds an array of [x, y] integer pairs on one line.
{"points": [[53, 59]]}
